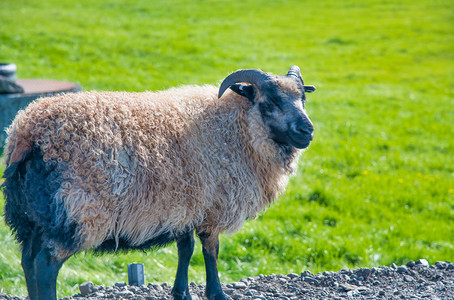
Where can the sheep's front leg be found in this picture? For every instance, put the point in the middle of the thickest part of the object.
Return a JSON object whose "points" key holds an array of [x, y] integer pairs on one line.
{"points": [[210, 244], [185, 246]]}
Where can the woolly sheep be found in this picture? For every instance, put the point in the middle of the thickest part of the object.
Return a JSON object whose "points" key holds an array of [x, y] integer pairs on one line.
{"points": [[116, 171]]}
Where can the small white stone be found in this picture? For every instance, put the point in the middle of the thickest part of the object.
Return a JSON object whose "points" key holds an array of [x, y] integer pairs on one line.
{"points": [[239, 285], [422, 262]]}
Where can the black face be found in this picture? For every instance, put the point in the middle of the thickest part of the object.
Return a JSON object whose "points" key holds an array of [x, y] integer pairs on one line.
{"points": [[285, 116]]}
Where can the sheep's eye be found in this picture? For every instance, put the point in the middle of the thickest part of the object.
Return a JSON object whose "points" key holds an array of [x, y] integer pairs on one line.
{"points": [[303, 100]]}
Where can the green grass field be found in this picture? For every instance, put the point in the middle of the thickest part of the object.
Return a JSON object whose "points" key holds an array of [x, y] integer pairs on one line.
{"points": [[375, 187]]}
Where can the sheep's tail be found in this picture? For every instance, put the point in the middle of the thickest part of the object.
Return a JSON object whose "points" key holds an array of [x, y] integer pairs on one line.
{"points": [[13, 188], [17, 150]]}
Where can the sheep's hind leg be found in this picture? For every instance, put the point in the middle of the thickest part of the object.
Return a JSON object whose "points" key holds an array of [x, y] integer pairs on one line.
{"points": [[30, 249], [210, 244], [46, 270], [185, 246]]}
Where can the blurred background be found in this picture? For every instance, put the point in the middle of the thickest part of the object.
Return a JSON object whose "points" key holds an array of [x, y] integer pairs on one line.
{"points": [[375, 187]]}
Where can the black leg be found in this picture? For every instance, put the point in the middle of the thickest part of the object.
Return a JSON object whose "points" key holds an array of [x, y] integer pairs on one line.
{"points": [[210, 244], [185, 246], [30, 249], [47, 268]]}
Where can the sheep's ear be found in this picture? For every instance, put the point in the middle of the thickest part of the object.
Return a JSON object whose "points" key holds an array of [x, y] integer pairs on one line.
{"points": [[245, 90]]}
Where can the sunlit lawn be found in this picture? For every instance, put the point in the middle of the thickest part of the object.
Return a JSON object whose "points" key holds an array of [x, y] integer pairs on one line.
{"points": [[375, 187]]}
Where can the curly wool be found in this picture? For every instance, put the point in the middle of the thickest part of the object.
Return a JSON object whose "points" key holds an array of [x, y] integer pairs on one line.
{"points": [[136, 165]]}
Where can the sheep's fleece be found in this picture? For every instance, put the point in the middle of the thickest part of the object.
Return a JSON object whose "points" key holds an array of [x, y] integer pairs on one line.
{"points": [[136, 165]]}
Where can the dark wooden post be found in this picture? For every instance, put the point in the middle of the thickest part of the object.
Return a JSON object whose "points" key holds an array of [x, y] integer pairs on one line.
{"points": [[136, 274]]}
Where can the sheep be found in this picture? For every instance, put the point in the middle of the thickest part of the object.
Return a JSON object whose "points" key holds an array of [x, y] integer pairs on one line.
{"points": [[113, 171]]}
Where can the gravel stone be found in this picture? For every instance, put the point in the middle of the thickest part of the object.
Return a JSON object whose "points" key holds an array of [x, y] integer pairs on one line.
{"points": [[440, 264], [120, 284], [86, 288], [229, 291], [282, 280], [239, 285], [422, 262], [157, 287], [311, 280], [126, 294], [411, 264]]}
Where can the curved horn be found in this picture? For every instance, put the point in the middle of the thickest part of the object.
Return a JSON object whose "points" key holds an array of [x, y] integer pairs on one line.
{"points": [[252, 76], [294, 71]]}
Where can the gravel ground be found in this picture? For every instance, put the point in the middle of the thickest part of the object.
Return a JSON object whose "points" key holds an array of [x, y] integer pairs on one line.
{"points": [[415, 280]]}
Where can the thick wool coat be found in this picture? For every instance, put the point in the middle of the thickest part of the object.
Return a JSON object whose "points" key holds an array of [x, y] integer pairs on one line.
{"points": [[130, 167]]}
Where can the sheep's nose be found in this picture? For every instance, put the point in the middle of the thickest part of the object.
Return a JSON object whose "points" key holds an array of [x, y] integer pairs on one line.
{"points": [[301, 134], [304, 128], [305, 131]]}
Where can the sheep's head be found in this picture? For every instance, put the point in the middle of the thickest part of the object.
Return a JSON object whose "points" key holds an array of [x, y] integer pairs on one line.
{"points": [[280, 100]]}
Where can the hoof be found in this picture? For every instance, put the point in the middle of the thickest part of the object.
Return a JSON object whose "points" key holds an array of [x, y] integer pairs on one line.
{"points": [[218, 296], [184, 295]]}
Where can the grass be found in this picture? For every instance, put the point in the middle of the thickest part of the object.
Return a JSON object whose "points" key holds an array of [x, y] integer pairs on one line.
{"points": [[375, 187]]}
